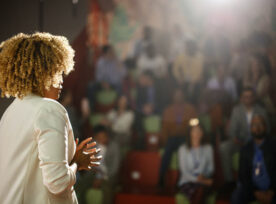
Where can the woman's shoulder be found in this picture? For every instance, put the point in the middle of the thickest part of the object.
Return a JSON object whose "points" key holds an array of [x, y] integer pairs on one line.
{"points": [[183, 148], [207, 148], [50, 105]]}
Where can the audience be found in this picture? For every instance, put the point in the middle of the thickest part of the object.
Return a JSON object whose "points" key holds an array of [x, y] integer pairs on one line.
{"points": [[223, 82], [188, 69], [257, 166], [153, 86], [150, 60], [178, 39], [175, 121], [196, 164], [239, 130], [140, 45], [120, 120], [109, 69], [257, 78]]}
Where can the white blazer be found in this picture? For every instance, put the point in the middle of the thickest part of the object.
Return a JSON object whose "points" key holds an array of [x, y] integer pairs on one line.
{"points": [[36, 148]]}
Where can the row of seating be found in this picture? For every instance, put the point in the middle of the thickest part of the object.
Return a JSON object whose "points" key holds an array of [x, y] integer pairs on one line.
{"points": [[140, 179]]}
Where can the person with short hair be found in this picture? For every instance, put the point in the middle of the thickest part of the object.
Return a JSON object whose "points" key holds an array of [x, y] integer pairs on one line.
{"points": [[239, 129], [257, 166], [38, 154]]}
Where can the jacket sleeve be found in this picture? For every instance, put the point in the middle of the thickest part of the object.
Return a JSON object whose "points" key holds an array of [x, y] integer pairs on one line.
{"points": [[52, 141], [244, 172]]}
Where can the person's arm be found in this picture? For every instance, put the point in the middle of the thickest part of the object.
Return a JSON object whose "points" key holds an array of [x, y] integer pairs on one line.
{"points": [[52, 143], [244, 173], [210, 162]]}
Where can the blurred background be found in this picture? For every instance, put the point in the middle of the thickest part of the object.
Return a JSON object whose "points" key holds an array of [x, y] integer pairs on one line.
{"points": [[144, 70]]}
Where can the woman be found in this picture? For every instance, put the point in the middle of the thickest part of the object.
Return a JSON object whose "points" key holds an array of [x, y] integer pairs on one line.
{"points": [[196, 164], [120, 120], [38, 155]]}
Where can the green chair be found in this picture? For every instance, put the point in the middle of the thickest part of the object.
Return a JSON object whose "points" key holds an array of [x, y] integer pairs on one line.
{"points": [[94, 196], [95, 119], [106, 97], [174, 161], [182, 199], [152, 124], [235, 161]]}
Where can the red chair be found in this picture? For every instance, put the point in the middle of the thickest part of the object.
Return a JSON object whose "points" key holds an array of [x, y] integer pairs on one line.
{"points": [[140, 171]]}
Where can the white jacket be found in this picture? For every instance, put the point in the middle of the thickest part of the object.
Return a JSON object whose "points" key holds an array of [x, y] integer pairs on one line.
{"points": [[36, 147]]}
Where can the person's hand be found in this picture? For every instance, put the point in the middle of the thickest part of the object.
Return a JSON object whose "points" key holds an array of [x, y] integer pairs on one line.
{"points": [[206, 181], [85, 156]]}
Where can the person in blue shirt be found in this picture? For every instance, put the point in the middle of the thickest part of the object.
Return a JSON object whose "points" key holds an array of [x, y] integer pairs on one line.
{"points": [[257, 170]]}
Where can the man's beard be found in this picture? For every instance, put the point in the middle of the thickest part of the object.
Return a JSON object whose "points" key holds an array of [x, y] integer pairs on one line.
{"points": [[259, 136]]}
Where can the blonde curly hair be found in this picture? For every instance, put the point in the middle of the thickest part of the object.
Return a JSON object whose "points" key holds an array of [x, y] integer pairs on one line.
{"points": [[33, 63]]}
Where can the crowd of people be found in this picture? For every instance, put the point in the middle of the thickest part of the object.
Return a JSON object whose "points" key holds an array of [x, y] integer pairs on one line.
{"points": [[205, 98]]}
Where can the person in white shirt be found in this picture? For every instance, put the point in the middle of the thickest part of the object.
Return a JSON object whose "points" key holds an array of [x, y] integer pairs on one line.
{"points": [[196, 164], [151, 61], [222, 82], [120, 121], [38, 154]]}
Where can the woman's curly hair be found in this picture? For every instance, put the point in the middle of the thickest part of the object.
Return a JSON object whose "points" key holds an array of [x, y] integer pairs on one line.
{"points": [[33, 63]]}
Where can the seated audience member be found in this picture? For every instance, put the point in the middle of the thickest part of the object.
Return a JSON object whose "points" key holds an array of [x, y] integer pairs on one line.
{"points": [[146, 96], [222, 82], [188, 68], [239, 63], [257, 167], [150, 60], [105, 176], [175, 122], [140, 45], [196, 164], [257, 78], [145, 104], [177, 41], [120, 121], [239, 129], [109, 69]]}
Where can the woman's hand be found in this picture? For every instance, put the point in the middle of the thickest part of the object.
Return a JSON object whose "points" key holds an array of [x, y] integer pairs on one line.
{"points": [[85, 156], [205, 181]]}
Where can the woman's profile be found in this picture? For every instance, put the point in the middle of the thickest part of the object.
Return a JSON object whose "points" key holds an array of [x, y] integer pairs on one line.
{"points": [[39, 156]]}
